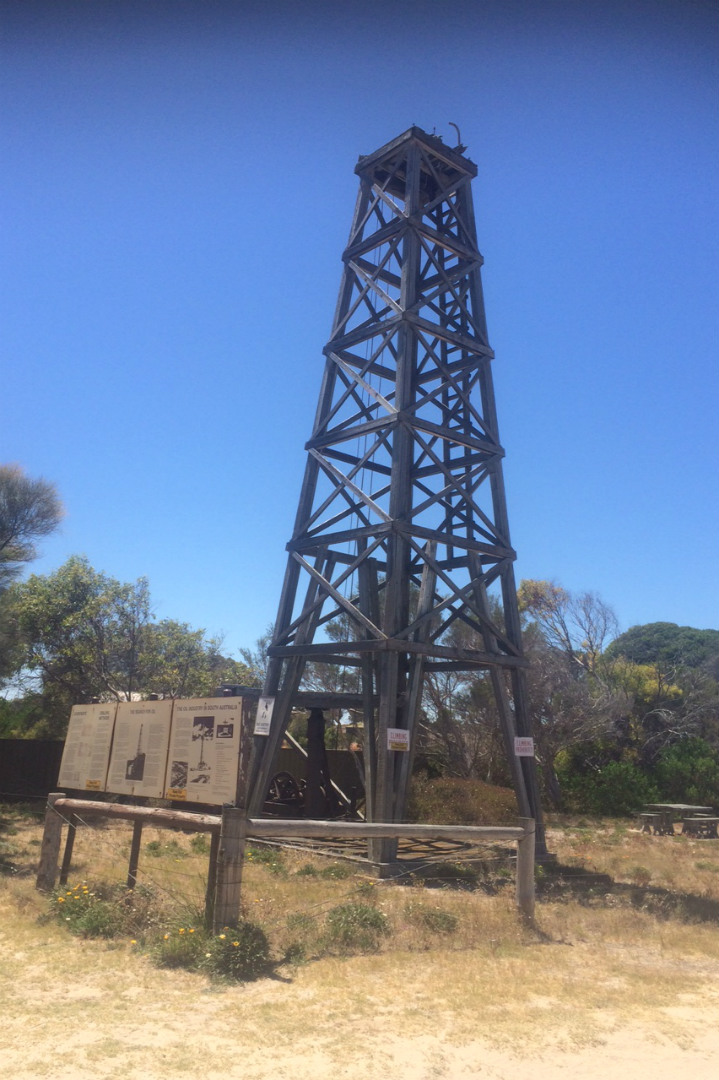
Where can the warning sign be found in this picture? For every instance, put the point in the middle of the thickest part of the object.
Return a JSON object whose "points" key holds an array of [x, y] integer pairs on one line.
{"points": [[264, 715], [524, 746], [397, 739]]}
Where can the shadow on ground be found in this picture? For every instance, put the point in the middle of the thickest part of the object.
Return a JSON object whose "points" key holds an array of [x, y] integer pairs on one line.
{"points": [[565, 884]]}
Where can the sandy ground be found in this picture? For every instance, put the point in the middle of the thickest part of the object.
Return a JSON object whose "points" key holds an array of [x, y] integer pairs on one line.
{"points": [[128, 1020]]}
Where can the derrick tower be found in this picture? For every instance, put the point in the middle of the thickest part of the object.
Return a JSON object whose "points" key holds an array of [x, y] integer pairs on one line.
{"points": [[400, 561]]}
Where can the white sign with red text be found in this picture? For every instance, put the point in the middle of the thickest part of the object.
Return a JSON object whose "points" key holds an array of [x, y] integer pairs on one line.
{"points": [[524, 746]]}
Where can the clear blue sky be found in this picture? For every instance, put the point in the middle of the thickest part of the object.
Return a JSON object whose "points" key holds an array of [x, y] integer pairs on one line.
{"points": [[178, 186]]}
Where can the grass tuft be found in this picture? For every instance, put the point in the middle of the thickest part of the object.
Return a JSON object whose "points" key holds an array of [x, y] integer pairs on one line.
{"points": [[355, 928]]}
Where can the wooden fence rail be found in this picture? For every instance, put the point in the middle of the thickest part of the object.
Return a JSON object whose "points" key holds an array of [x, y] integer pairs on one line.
{"points": [[232, 828]]}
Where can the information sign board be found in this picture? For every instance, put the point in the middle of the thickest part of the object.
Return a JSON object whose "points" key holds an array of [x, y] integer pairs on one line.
{"points": [[87, 747], [139, 748], [204, 760]]}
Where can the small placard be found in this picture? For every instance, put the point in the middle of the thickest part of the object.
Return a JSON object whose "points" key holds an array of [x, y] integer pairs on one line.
{"points": [[524, 746], [264, 715], [398, 739]]}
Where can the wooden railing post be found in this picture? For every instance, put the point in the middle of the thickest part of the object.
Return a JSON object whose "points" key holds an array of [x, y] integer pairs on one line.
{"points": [[50, 850], [69, 845], [229, 868], [211, 881], [134, 855], [525, 871]]}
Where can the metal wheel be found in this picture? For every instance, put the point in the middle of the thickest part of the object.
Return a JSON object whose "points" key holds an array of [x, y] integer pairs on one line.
{"points": [[284, 788]]}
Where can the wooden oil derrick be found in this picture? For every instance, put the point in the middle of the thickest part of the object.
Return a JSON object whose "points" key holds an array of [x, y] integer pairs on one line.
{"points": [[400, 562]]}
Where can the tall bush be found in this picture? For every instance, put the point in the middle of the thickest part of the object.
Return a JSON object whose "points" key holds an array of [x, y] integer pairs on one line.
{"points": [[689, 772], [617, 789]]}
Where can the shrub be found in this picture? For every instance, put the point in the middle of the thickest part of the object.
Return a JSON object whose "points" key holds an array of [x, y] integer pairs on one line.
{"points": [[449, 800], [183, 947], [689, 772], [355, 928], [114, 911], [241, 953], [617, 789], [89, 914]]}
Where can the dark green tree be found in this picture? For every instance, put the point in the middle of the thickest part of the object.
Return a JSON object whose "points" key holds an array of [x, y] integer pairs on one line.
{"points": [[29, 509], [84, 635], [668, 645]]}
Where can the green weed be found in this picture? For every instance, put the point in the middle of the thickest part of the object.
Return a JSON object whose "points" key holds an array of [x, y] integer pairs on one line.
{"points": [[355, 928], [271, 858], [157, 849], [433, 919], [640, 875]]}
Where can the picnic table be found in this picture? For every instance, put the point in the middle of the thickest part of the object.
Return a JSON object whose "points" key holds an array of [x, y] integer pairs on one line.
{"points": [[701, 826], [659, 818]]}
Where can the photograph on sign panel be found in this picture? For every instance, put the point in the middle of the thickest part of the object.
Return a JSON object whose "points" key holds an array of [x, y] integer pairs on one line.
{"points": [[203, 732], [178, 774], [136, 765]]}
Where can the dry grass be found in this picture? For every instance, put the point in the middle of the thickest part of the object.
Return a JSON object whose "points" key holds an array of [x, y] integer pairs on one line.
{"points": [[678, 864], [605, 956]]}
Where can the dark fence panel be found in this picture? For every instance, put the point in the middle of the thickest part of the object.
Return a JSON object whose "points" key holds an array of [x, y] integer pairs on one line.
{"points": [[29, 767]]}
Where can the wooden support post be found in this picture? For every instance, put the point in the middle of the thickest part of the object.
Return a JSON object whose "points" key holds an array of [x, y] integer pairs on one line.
{"points": [[134, 855], [69, 845], [525, 872], [315, 801], [211, 880], [229, 868], [50, 850]]}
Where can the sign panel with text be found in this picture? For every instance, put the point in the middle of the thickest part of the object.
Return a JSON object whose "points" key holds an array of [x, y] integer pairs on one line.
{"points": [[139, 748], [398, 739], [87, 747], [264, 715], [204, 760], [523, 746]]}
